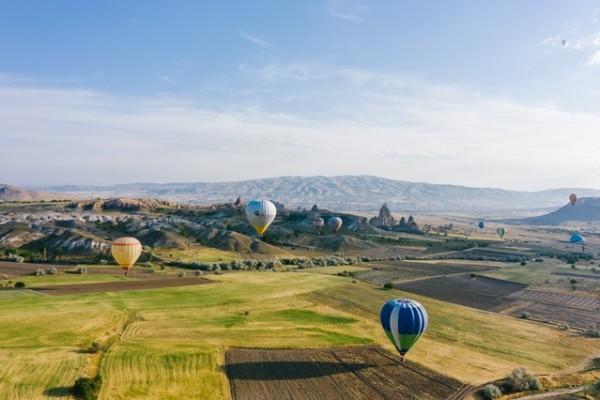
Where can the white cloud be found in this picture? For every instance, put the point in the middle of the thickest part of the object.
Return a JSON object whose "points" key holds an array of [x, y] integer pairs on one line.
{"points": [[301, 71], [594, 59], [372, 123], [347, 10], [255, 40]]}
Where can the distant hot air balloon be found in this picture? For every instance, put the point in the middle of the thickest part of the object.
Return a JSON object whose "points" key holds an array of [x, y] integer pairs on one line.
{"points": [[318, 223], [260, 214], [564, 42], [501, 231], [335, 223], [577, 238], [573, 198], [126, 251], [481, 224], [404, 321]]}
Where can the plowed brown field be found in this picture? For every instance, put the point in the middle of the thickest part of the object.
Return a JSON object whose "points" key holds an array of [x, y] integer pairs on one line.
{"points": [[366, 372]]}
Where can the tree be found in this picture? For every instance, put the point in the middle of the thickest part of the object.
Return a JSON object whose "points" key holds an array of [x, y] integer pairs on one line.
{"points": [[490, 392], [521, 380], [87, 388]]}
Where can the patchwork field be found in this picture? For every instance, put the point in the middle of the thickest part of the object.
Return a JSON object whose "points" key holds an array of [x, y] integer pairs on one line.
{"points": [[577, 311], [170, 343], [477, 291], [366, 372]]}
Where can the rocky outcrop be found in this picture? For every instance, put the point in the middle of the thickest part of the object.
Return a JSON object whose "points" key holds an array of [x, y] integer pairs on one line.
{"points": [[384, 220], [121, 204]]}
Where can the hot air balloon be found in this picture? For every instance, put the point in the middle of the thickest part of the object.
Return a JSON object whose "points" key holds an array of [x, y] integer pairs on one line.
{"points": [[318, 223], [577, 238], [126, 251], [573, 198], [481, 224], [335, 223], [260, 214], [501, 231], [404, 321]]}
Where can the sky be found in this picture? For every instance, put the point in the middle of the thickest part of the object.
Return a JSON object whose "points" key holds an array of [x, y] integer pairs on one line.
{"points": [[494, 94]]}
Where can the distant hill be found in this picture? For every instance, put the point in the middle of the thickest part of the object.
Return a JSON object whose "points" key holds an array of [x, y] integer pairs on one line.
{"points": [[13, 193], [365, 193], [586, 209]]}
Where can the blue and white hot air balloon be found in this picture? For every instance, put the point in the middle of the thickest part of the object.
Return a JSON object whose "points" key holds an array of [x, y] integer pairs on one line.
{"points": [[404, 321], [481, 224]]}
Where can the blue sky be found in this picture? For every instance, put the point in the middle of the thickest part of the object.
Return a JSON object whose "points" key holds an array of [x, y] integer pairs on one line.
{"points": [[502, 93]]}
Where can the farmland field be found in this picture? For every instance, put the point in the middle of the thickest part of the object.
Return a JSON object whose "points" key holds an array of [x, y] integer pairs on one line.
{"points": [[395, 271], [366, 372], [578, 311], [477, 292], [61, 290], [170, 343]]}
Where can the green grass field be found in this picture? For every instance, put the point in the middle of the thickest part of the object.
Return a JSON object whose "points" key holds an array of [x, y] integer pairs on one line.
{"points": [[170, 343]]}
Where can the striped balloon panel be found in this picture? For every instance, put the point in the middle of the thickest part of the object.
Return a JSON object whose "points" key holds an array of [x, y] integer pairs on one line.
{"points": [[404, 321], [126, 251]]}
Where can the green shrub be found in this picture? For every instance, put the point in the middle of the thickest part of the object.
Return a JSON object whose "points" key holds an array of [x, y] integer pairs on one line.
{"points": [[82, 270], [489, 392], [87, 388], [388, 285], [521, 380], [20, 285]]}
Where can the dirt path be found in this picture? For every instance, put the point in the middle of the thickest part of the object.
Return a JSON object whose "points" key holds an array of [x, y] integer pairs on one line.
{"points": [[550, 395]]}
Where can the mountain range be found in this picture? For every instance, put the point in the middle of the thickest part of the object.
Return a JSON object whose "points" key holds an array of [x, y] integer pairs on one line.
{"points": [[356, 193]]}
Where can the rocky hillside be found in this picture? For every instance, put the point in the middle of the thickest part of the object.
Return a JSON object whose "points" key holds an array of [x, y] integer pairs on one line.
{"points": [[13, 193], [586, 209], [343, 193], [121, 204]]}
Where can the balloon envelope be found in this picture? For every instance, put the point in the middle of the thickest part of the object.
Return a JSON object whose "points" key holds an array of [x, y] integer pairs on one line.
{"points": [[577, 238], [260, 214], [573, 198], [318, 223], [404, 322], [501, 231], [126, 251], [335, 223], [481, 224]]}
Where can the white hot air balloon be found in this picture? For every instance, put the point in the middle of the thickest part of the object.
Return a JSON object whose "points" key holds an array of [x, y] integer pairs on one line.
{"points": [[335, 223], [318, 223], [260, 214]]}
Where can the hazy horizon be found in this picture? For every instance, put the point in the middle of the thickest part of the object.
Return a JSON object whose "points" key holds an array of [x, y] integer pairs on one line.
{"points": [[500, 95], [59, 185]]}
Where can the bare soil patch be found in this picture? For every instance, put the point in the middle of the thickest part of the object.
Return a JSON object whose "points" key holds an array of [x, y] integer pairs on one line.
{"points": [[365, 372], [12, 269], [60, 290], [478, 292]]}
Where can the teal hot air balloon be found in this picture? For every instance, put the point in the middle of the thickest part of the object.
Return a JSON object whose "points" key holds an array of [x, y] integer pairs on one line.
{"points": [[577, 238], [404, 321]]}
